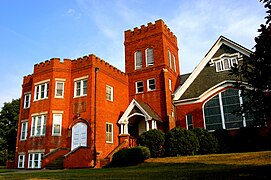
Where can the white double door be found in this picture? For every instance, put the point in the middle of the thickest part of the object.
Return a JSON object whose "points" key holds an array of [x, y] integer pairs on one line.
{"points": [[79, 135]]}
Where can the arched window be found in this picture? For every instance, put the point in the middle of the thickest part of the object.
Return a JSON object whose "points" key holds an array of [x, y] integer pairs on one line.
{"points": [[138, 60], [219, 111], [149, 57], [173, 62], [169, 58]]}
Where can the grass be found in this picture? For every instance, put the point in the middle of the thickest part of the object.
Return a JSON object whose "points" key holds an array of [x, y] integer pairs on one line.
{"points": [[255, 165]]}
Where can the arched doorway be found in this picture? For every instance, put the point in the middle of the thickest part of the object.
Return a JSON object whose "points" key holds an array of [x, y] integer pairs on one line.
{"points": [[79, 135]]}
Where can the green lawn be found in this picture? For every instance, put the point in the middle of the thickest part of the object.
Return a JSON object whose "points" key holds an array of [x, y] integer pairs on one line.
{"points": [[256, 165]]}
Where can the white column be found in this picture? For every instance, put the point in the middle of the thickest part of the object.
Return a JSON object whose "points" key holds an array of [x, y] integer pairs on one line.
{"points": [[222, 111], [152, 124], [147, 126], [155, 125], [125, 128], [121, 128]]}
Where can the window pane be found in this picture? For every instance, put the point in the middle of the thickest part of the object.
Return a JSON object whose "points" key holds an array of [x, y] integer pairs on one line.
{"points": [[169, 58], [44, 125], [139, 86], [150, 60], [38, 125], [174, 62], [212, 114], [85, 85], [189, 121], [42, 95], [78, 86], [234, 61], [109, 93], [37, 92], [151, 84], [226, 64], [231, 104], [59, 88], [138, 59]]}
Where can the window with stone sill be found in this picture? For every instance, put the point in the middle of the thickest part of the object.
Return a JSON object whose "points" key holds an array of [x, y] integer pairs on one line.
{"points": [[38, 126], [34, 160], [21, 160], [109, 132], [41, 91], [24, 126], [149, 57], [59, 90], [151, 84], [138, 60], [139, 87], [109, 93], [27, 99], [80, 87]]}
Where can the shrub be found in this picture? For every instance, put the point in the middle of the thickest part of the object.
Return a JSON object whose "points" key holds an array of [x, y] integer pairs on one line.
{"points": [[154, 140], [181, 141], [207, 141], [130, 156], [249, 139], [225, 140]]}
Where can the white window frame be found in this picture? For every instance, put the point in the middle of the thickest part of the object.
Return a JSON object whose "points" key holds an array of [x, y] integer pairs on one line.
{"points": [[62, 90], [137, 87], [27, 100], [21, 161], [109, 94], [39, 92], [222, 115], [170, 84], [108, 133], [32, 160], [149, 57], [226, 61], [34, 125], [81, 88], [138, 60], [23, 134], [57, 121], [148, 84]]}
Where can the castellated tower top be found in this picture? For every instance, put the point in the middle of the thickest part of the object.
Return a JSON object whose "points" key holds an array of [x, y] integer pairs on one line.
{"points": [[144, 31]]}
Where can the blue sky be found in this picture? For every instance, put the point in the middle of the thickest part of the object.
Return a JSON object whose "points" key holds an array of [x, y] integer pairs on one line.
{"points": [[32, 31]]}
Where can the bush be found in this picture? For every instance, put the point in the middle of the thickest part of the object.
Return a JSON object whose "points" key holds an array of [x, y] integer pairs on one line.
{"points": [[130, 156], [154, 140], [225, 140], [249, 139], [181, 141], [207, 141]]}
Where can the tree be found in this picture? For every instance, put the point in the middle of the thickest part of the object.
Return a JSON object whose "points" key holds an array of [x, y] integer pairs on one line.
{"points": [[254, 75], [9, 117]]}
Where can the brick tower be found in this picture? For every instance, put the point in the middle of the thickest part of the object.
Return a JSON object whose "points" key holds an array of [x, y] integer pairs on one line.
{"points": [[152, 66]]}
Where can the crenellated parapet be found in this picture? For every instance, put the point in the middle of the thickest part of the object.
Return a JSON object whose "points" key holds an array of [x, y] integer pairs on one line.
{"points": [[145, 31], [51, 64], [100, 63], [27, 79]]}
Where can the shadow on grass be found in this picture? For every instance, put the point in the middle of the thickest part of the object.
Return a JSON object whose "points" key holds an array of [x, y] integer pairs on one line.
{"points": [[154, 171]]}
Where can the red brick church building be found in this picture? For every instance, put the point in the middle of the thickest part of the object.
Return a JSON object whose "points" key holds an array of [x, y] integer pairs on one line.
{"points": [[78, 113]]}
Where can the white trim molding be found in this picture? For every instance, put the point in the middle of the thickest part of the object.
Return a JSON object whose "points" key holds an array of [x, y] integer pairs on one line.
{"points": [[221, 40]]}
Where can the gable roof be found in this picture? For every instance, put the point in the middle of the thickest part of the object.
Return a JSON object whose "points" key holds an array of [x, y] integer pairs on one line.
{"points": [[219, 42], [145, 110]]}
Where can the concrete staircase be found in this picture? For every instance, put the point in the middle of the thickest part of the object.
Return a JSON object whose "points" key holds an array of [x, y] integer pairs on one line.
{"points": [[56, 164]]}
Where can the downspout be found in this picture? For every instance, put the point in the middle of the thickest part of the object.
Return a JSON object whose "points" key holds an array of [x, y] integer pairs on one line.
{"points": [[95, 116]]}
